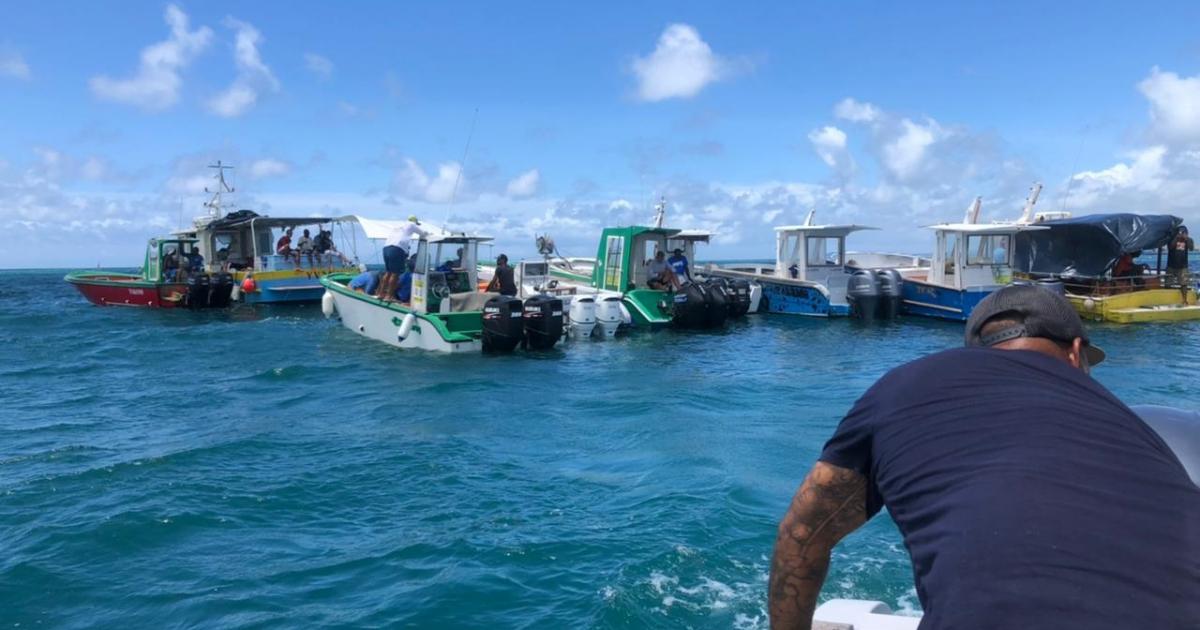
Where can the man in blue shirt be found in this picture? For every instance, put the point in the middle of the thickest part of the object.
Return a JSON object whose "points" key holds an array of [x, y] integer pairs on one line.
{"points": [[404, 291], [1028, 496], [679, 264], [365, 282]]}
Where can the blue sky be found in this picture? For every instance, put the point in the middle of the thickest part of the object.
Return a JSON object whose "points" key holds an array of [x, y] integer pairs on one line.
{"points": [[889, 114]]}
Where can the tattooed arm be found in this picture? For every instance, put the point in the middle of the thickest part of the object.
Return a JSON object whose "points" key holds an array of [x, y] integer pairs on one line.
{"points": [[830, 504]]}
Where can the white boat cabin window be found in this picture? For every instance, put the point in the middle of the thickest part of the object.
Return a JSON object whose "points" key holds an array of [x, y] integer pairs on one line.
{"points": [[988, 249], [614, 250], [652, 247], [823, 251], [421, 265], [950, 250]]}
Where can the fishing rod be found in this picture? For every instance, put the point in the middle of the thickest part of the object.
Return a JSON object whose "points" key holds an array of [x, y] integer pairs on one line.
{"points": [[462, 165]]}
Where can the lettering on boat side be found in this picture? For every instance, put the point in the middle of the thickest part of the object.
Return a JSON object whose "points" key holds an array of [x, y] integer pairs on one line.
{"points": [[136, 292]]}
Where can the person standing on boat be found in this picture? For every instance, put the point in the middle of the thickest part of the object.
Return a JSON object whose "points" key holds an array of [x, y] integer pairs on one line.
{"points": [[395, 256], [1177, 258], [679, 264], [1027, 494]]}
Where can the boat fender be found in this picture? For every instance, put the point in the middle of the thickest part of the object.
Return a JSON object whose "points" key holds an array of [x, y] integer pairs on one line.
{"points": [[626, 318], [235, 293], [327, 305], [1089, 304], [406, 326], [249, 285]]}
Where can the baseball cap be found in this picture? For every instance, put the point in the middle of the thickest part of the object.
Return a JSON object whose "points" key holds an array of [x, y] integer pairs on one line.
{"points": [[1043, 312], [413, 218]]}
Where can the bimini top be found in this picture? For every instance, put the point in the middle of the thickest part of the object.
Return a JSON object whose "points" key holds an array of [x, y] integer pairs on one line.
{"points": [[823, 230], [379, 229], [243, 218], [986, 228], [1090, 245]]}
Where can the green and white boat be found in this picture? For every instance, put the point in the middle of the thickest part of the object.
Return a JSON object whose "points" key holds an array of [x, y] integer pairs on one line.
{"points": [[445, 313]]}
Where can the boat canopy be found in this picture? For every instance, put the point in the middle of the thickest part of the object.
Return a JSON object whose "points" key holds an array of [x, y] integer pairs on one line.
{"points": [[1090, 245], [381, 229], [824, 230]]}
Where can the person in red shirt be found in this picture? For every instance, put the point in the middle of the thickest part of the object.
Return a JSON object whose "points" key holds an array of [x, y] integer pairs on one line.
{"points": [[284, 246]]}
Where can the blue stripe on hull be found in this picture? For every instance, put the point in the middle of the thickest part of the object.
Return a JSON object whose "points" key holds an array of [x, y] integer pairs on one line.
{"points": [[791, 299], [268, 292], [927, 300]]}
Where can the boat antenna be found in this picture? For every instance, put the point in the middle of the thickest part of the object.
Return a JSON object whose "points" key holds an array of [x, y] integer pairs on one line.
{"points": [[214, 205], [972, 215], [660, 212], [1027, 213], [808, 220], [462, 165]]}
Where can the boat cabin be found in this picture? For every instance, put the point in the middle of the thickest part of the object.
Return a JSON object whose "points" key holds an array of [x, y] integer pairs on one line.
{"points": [[445, 274], [624, 253], [812, 253], [165, 257], [246, 241], [974, 255]]}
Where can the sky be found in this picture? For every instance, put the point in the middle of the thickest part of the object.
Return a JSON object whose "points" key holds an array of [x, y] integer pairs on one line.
{"points": [[520, 119]]}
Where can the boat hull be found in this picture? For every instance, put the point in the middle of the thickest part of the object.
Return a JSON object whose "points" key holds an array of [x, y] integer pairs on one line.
{"points": [[383, 321], [116, 289], [797, 299], [287, 286], [1136, 307], [930, 300]]}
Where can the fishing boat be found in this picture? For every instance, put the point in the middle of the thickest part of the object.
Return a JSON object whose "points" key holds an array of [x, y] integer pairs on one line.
{"points": [[446, 311], [812, 272], [1094, 258], [226, 257], [622, 263], [970, 261]]}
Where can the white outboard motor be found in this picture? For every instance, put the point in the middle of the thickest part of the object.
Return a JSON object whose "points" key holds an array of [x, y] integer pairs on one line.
{"points": [[581, 317], [609, 315]]}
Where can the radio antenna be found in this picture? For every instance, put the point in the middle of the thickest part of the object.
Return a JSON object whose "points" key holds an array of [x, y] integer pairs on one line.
{"points": [[462, 165]]}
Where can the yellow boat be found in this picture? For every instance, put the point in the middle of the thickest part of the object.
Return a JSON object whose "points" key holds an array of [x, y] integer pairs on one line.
{"points": [[1092, 257]]}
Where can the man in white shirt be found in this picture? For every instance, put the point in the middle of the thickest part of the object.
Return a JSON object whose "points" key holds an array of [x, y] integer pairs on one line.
{"points": [[395, 256]]}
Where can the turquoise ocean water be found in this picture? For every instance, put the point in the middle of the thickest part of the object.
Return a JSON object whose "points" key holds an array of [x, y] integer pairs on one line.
{"points": [[266, 468]]}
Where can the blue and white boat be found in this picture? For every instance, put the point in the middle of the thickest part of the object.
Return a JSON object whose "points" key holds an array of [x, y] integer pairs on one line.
{"points": [[970, 260], [811, 270]]}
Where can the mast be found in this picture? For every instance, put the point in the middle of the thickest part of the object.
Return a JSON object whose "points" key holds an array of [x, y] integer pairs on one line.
{"points": [[973, 211], [660, 212], [214, 205]]}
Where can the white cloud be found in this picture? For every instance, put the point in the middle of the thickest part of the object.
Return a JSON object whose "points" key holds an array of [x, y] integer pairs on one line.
{"points": [[13, 65], [253, 76], [681, 65], [157, 83], [524, 185], [829, 143], [412, 182], [1174, 105], [905, 156], [854, 111], [269, 167], [318, 65]]}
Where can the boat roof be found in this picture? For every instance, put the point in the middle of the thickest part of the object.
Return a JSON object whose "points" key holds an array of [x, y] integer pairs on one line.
{"points": [[457, 238], [986, 228], [379, 229], [701, 236], [1090, 245], [824, 230]]}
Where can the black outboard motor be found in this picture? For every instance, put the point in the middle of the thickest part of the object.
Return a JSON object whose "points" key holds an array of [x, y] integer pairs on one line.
{"points": [[220, 288], [862, 292], [543, 322], [740, 290], [690, 306], [716, 305], [503, 327], [889, 293], [198, 289]]}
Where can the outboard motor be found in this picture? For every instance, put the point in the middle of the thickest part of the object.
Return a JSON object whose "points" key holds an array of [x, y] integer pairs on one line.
{"points": [[198, 288], [739, 297], [717, 305], [862, 292], [220, 290], [609, 316], [581, 317], [691, 306], [503, 327], [889, 293], [543, 322]]}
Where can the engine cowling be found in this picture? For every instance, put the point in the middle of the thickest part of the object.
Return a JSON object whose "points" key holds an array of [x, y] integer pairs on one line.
{"points": [[503, 324]]}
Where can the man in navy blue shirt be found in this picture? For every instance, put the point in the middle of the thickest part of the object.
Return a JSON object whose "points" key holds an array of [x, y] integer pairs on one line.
{"points": [[1028, 496]]}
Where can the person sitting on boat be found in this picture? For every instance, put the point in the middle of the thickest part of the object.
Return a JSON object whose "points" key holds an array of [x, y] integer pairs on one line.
{"points": [[195, 262], [365, 282], [1027, 494], [1124, 268], [1177, 257], [502, 279], [170, 265], [659, 274], [679, 263], [395, 256], [283, 247], [304, 246], [1000, 254]]}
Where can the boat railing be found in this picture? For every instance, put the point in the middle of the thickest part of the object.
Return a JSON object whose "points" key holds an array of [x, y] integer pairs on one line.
{"points": [[1104, 285], [325, 261]]}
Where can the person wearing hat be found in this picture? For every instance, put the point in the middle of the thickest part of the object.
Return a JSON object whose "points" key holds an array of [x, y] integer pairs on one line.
{"points": [[679, 264], [395, 256], [1028, 496], [1177, 259]]}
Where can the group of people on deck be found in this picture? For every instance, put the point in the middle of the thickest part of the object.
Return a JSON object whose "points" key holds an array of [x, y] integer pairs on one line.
{"points": [[177, 266], [668, 273], [306, 246]]}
